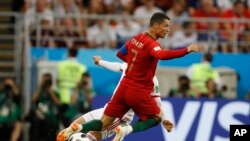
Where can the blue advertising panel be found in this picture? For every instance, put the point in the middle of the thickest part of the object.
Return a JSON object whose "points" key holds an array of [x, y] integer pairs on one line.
{"points": [[194, 119], [238, 62]]}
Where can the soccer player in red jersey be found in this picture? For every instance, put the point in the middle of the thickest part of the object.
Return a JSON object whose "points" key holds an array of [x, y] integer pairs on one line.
{"points": [[141, 53]]}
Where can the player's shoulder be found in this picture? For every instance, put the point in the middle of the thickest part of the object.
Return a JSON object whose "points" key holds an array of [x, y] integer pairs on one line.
{"points": [[155, 44], [135, 38], [149, 39], [139, 37], [143, 36], [152, 42]]}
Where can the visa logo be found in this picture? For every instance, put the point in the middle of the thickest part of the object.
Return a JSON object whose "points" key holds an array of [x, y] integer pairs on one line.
{"points": [[207, 116]]}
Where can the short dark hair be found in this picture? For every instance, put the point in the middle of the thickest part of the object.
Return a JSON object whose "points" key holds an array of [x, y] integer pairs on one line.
{"points": [[208, 57], [183, 77], [47, 75], [158, 17], [86, 74], [238, 2], [72, 52]]}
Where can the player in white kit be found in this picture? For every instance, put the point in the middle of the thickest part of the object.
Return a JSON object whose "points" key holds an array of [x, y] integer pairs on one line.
{"points": [[96, 114]]}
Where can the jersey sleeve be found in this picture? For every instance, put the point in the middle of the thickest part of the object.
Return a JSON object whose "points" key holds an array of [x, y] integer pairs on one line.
{"points": [[122, 52], [161, 54], [124, 66], [113, 66]]}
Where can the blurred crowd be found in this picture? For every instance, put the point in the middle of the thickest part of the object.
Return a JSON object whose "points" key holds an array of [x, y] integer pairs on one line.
{"points": [[51, 107], [68, 23], [65, 24]]}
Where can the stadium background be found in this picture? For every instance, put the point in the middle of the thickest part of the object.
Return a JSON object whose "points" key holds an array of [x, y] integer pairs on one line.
{"points": [[27, 51]]}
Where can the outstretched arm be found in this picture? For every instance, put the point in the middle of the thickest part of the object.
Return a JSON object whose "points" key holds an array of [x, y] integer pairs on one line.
{"points": [[113, 66], [158, 53]]}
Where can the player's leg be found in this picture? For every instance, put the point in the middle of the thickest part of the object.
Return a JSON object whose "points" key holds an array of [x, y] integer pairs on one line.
{"points": [[76, 125], [110, 130], [93, 128], [95, 114], [79, 120], [116, 108], [73, 128], [106, 120], [104, 133], [97, 124], [126, 120], [147, 110], [97, 135], [122, 131]]}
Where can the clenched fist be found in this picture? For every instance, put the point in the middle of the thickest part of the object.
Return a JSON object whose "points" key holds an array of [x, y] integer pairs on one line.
{"points": [[193, 48], [97, 59]]}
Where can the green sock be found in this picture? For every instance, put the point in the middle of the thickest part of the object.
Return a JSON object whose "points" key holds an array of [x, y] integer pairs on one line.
{"points": [[144, 125], [93, 125]]}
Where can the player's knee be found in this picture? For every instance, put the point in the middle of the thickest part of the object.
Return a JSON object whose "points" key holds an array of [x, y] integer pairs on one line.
{"points": [[99, 123], [158, 118], [106, 121]]}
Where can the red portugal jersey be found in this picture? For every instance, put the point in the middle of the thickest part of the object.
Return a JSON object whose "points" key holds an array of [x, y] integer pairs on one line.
{"points": [[142, 53]]}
